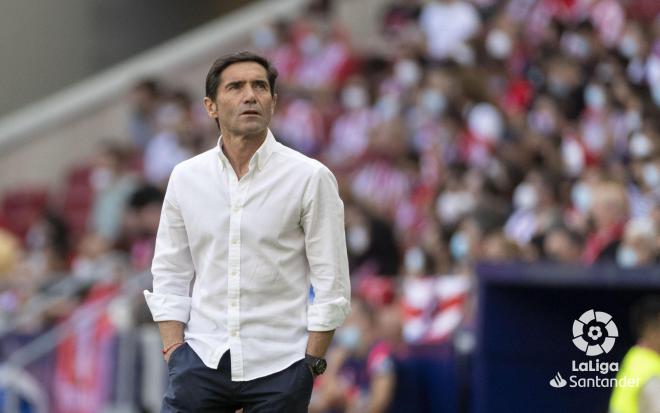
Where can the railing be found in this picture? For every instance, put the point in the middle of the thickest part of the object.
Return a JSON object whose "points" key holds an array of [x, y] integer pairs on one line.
{"points": [[17, 383]]}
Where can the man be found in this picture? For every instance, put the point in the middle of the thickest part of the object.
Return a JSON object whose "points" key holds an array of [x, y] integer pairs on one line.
{"points": [[641, 363], [245, 228]]}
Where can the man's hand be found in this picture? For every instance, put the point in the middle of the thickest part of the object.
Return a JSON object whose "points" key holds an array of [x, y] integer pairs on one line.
{"points": [[171, 333], [169, 352]]}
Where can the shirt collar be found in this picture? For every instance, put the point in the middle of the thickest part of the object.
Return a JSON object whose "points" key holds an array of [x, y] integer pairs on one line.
{"points": [[260, 157]]}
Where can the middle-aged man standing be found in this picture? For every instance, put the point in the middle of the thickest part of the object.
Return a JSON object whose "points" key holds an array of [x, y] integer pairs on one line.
{"points": [[245, 228]]}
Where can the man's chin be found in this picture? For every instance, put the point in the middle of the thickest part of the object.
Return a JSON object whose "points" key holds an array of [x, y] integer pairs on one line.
{"points": [[253, 130]]}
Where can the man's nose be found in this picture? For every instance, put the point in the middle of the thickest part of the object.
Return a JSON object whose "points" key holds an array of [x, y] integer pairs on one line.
{"points": [[249, 96]]}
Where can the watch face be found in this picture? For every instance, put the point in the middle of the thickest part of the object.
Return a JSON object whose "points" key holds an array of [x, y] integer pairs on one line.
{"points": [[319, 366]]}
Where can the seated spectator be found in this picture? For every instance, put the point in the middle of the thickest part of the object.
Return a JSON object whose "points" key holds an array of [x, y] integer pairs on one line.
{"points": [[176, 141], [448, 26], [562, 245], [361, 369], [140, 225], [113, 183], [145, 98], [639, 246], [610, 213]]}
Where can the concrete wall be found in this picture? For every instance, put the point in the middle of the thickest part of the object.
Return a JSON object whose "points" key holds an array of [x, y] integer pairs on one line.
{"points": [[48, 45]]}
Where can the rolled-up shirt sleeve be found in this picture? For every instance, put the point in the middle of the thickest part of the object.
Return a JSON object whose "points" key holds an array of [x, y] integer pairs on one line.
{"points": [[325, 246], [172, 266]]}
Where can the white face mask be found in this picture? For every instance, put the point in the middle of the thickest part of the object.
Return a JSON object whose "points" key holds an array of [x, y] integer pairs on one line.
{"points": [[573, 157], [354, 97], [349, 337], [433, 102], [628, 46], [388, 107], [358, 239], [633, 120], [640, 145], [459, 246], [651, 175], [101, 178], [485, 121], [525, 197], [581, 197], [415, 261], [594, 97], [542, 121], [627, 257], [310, 44], [498, 44], [407, 72]]}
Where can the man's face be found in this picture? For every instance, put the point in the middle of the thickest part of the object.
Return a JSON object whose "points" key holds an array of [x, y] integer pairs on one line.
{"points": [[244, 104]]}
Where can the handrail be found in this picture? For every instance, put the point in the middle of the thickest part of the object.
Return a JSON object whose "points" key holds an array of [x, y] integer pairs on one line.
{"points": [[17, 128], [48, 340]]}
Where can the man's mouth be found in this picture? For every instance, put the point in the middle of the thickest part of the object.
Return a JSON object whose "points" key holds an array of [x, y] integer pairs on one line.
{"points": [[250, 112]]}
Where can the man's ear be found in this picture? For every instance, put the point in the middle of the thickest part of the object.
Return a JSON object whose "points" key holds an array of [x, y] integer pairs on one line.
{"points": [[272, 107], [211, 107]]}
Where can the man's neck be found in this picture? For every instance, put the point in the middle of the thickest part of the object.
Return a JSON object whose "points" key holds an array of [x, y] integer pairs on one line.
{"points": [[239, 149]]}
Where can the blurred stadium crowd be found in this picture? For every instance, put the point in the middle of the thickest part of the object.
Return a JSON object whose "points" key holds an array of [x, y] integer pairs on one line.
{"points": [[471, 130]]}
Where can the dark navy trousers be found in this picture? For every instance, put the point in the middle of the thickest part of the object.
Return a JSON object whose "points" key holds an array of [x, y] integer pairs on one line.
{"points": [[194, 387]]}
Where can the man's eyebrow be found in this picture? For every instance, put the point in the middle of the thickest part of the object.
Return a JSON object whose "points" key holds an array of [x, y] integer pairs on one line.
{"points": [[235, 83]]}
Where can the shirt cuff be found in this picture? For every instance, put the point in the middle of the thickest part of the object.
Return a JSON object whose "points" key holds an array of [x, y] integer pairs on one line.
{"points": [[165, 307], [327, 316]]}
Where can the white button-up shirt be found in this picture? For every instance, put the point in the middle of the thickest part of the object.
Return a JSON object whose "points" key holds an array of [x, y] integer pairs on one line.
{"points": [[234, 258]]}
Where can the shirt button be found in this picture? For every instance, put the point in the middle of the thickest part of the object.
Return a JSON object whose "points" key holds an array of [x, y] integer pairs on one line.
{"points": [[234, 333], [233, 273], [234, 241], [236, 208]]}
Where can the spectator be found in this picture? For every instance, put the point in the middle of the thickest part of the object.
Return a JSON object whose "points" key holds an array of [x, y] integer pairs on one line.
{"points": [[363, 378], [448, 26], [145, 99], [113, 183], [610, 213], [562, 245], [174, 143], [639, 246]]}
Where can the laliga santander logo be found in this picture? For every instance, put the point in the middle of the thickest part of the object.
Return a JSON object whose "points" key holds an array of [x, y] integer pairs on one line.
{"points": [[594, 333]]}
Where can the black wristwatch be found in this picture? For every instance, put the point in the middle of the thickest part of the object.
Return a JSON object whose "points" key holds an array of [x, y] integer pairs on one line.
{"points": [[317, 365]]}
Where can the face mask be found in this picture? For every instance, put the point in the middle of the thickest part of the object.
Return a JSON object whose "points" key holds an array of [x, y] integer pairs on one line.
{"points": [[407, 72], [542, 121], [358, 239], [263, 38], [433, 102], [388, 107], [485, 121], [651, 175], [349, 337], [311, 44], [573, 157], [459, 246], [628, 46], [101, 178], [594, 97], [581, 197], [640, 145], [633, 120], [498, 44], [354, 97], [558, 88], [415, 261], [655, 94], [578, 46], [525, 197], [626, 257]]}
